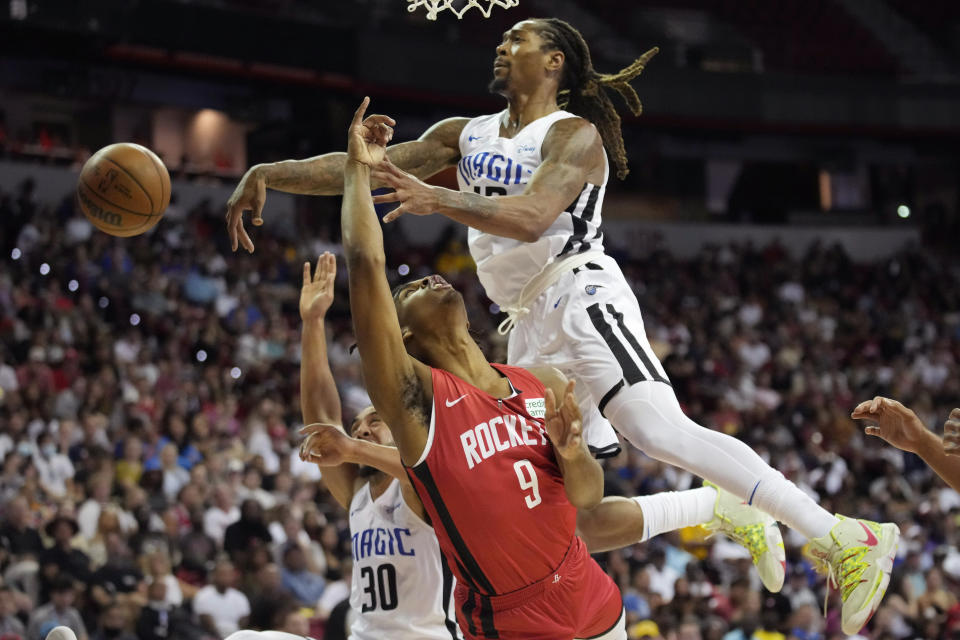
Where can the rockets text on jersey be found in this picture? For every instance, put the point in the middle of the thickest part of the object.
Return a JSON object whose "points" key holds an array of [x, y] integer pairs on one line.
{"points": [[490, 482]]}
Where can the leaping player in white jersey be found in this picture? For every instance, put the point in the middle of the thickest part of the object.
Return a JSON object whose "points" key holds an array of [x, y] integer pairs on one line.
{"points": [[532, 180]]}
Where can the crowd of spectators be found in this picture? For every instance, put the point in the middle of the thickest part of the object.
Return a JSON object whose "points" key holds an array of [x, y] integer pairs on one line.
{"points": [[149, 480]]}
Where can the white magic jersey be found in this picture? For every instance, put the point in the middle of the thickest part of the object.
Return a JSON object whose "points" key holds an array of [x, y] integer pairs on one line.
{"points": [[491, 165], [400, 589]]}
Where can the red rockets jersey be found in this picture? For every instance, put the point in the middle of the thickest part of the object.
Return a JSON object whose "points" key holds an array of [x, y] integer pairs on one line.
{"points": [[488, 477]]}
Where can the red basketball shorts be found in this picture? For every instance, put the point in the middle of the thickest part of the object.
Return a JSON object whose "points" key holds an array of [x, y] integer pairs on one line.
{"points": [[578, 600]]}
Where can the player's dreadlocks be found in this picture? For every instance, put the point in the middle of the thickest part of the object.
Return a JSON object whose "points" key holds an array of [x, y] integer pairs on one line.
{"points": [[583, 90]]}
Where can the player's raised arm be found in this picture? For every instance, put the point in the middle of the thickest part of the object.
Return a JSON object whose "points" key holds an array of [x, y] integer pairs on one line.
{"points": [[400, 387], [572, 153], [901, 427], [437, 149], [582, 474], [319, 399]]}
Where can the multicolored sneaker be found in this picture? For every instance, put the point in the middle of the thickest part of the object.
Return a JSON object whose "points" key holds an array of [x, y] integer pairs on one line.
{"points": [[756, 531], [857, 556]]}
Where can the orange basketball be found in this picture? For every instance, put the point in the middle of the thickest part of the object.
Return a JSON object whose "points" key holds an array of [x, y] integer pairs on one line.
{"points": [[124, 189]]}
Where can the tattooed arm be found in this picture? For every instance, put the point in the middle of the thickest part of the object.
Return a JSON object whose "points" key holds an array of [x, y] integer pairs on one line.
{"points": [[437, 149], [572, 156]]}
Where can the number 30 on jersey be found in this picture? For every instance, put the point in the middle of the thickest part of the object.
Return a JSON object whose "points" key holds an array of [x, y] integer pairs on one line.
{"points": [[382, 583]]}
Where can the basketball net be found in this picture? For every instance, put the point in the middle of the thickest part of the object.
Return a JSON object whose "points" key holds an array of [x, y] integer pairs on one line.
{"points": [[434, 7]]}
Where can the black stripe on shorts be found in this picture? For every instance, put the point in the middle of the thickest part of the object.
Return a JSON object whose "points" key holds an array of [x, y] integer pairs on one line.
{"points": [[486, 618], [608, 396], [630, 369], [447, 594], [473, 571], [647, 362], [610, 451], [469, 606]]}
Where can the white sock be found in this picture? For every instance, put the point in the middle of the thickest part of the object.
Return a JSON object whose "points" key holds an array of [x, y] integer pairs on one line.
{"points": [[673, 510], [780, 498]]}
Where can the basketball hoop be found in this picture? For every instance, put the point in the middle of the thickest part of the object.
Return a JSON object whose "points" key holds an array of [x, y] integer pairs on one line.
{"points": [[434, 7]]}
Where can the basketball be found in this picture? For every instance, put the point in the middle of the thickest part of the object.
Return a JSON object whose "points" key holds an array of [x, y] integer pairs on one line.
{"points": [[124, 189]]}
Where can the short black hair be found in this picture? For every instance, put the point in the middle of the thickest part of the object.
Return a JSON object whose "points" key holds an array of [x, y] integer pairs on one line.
{"points": [[60, 584]]}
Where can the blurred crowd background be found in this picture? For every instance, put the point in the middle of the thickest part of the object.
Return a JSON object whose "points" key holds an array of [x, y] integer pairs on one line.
{"points": [[149, 481]]}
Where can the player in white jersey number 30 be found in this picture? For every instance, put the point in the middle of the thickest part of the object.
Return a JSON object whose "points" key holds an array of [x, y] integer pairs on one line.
{"points": [[400, 587], [532, 181]]}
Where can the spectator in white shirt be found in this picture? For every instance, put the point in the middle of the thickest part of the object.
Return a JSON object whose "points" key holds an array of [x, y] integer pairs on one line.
{"points": [[221, 608], [663, 577], [8, 377], [222, 514], [174, 476], [88, 516], [56, 470]]}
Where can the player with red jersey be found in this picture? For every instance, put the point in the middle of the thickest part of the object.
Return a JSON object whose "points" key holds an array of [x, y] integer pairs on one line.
{"points": [[499, 467]]}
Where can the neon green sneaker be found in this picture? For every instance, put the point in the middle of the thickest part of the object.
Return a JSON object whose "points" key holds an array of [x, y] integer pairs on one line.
{"points": [[756, 531], [857, 556]]}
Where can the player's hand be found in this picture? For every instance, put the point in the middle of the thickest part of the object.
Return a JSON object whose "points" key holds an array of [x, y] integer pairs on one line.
{"points": [[325, 445], [951, 434], [564, 424], [249, 195], [414, 195], [367, 138], [316, 295], [895, 423]]}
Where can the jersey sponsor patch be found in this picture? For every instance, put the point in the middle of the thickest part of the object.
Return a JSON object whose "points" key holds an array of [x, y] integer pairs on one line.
{"points": [[536, 407]]}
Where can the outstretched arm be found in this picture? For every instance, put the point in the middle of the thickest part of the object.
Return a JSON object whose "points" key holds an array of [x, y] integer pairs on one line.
{"points": [[572, 156], [901, 427], [319, 400], [582, 474], [400, 387], [437, 149]]}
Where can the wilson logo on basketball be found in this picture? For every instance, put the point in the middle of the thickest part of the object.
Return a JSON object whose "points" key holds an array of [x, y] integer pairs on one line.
{"points": [[123, 189], [93, 209]]}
